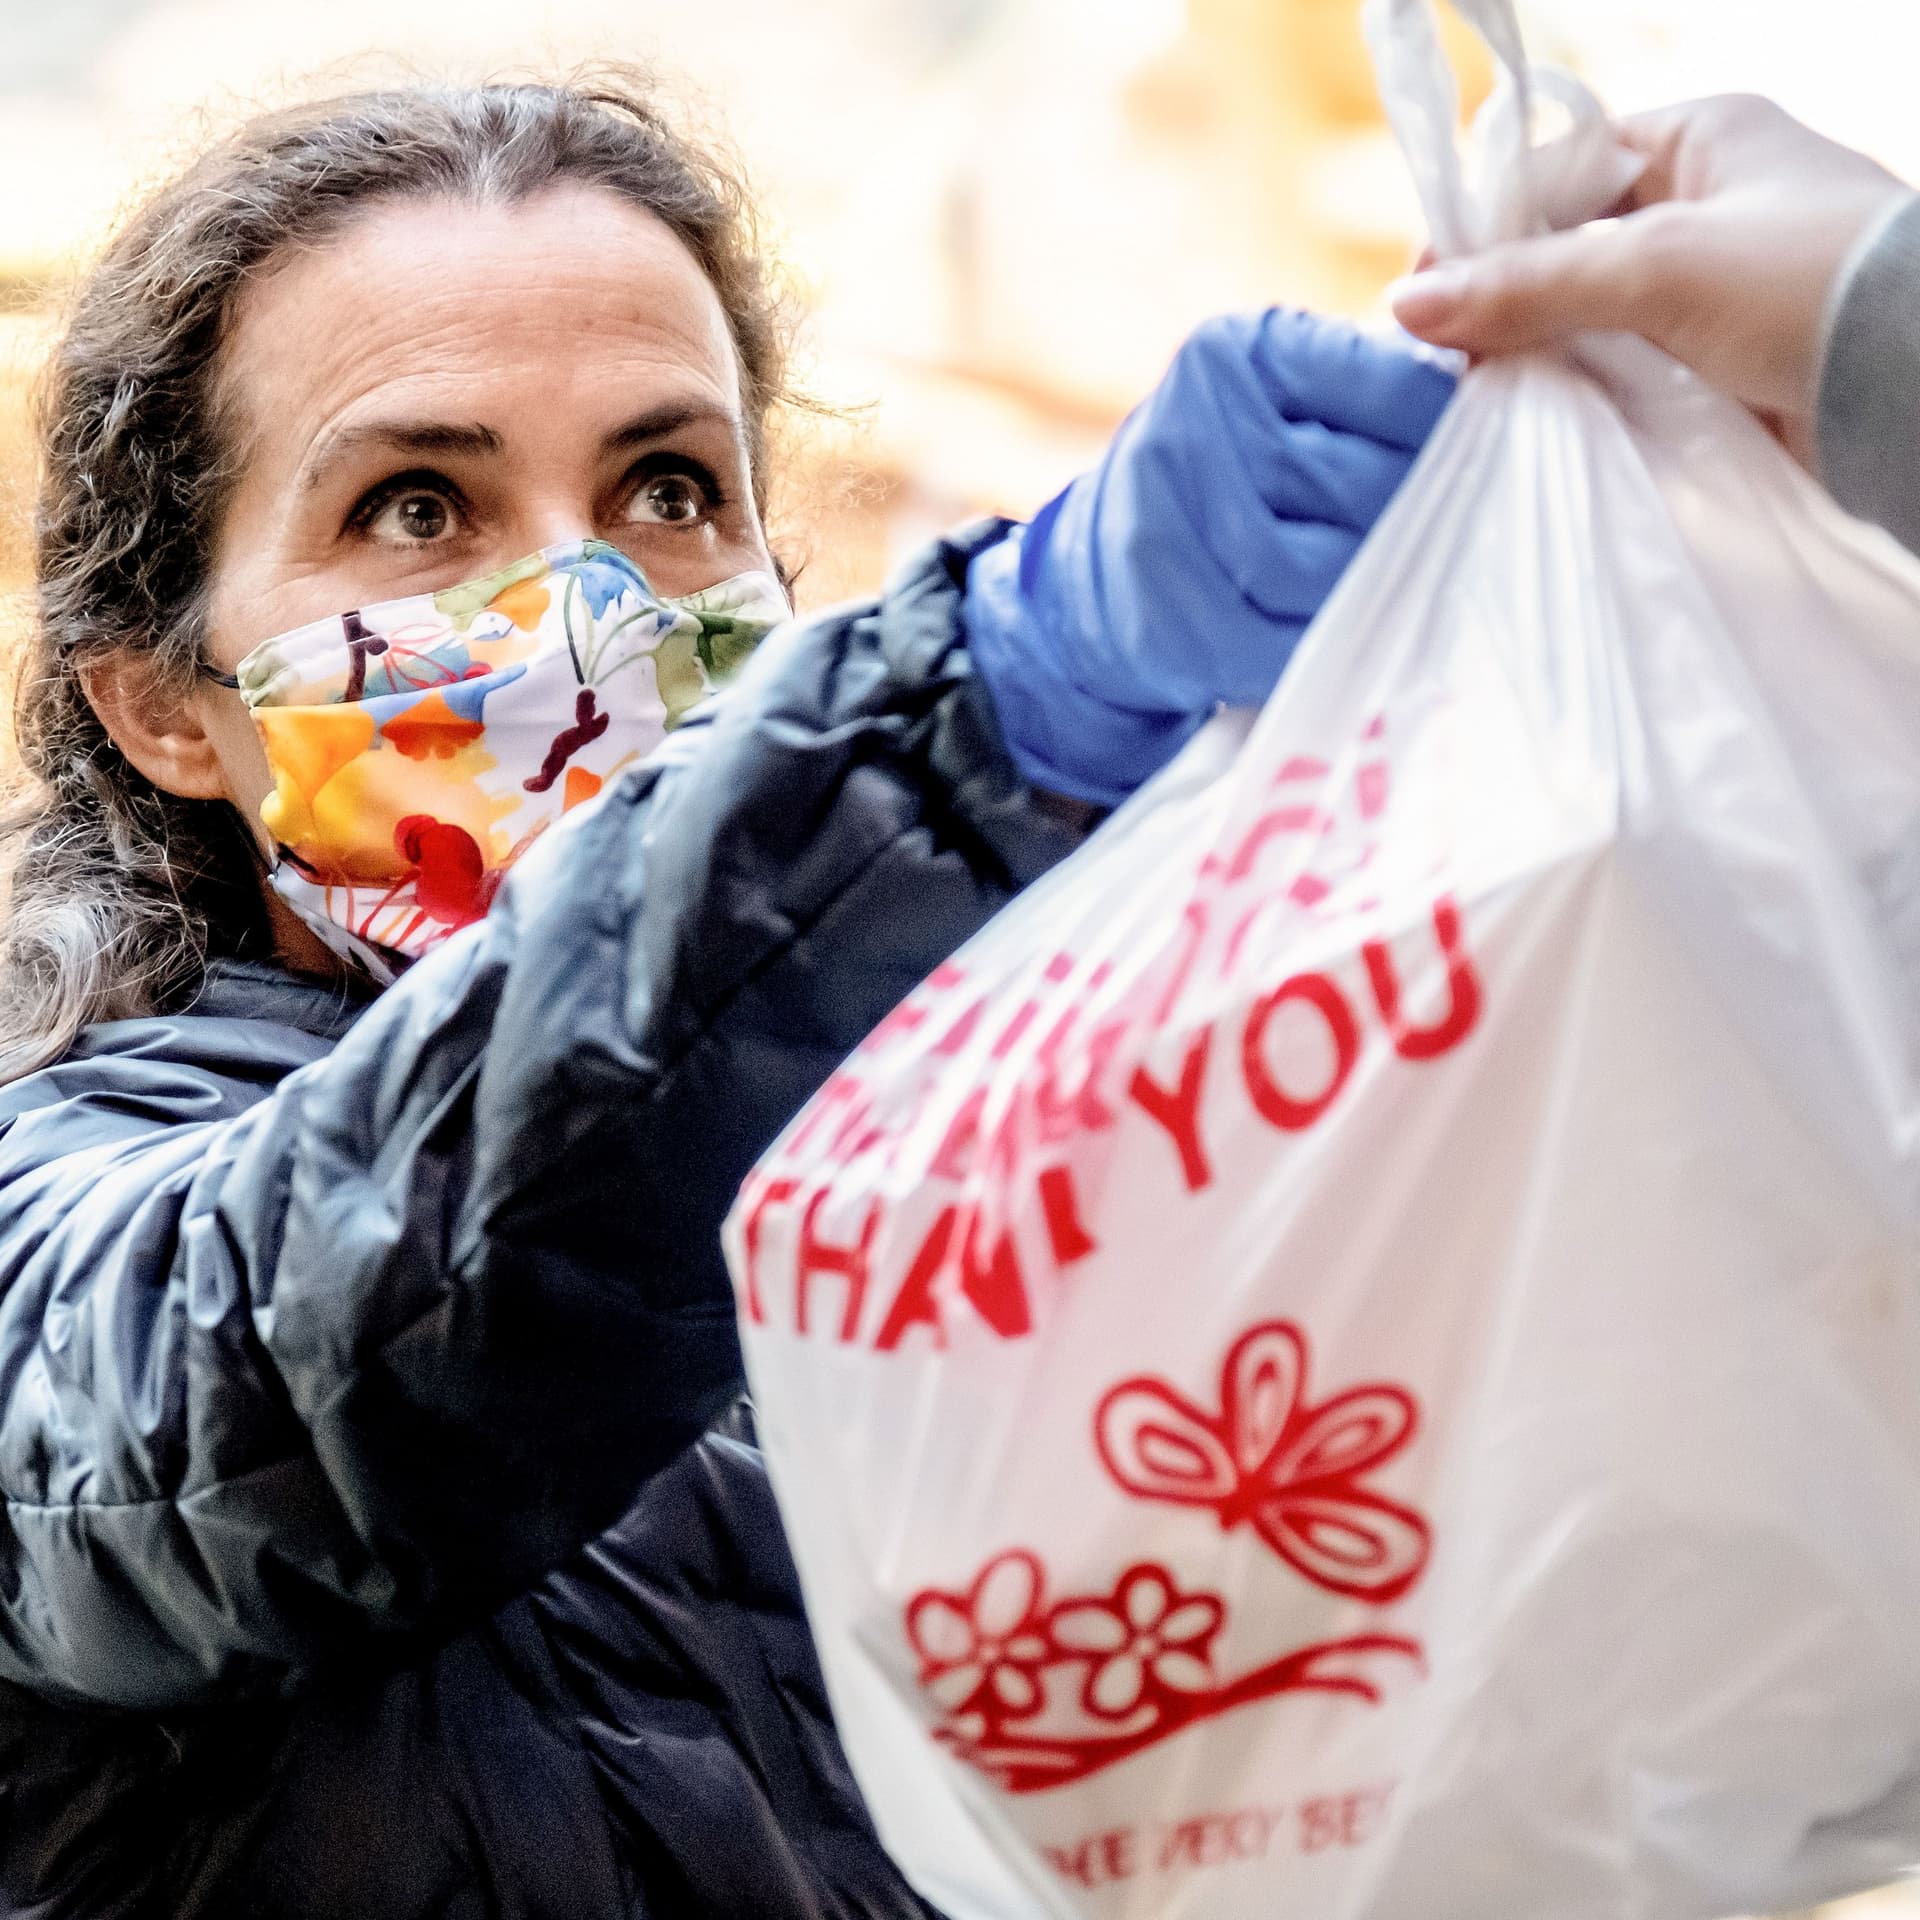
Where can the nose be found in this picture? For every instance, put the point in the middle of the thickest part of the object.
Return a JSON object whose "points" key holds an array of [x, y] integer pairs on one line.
{"points": [[549, 521]]}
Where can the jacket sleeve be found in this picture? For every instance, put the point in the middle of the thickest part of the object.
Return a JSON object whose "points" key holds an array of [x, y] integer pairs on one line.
{"points": [[1869, 414], [381, 1348]]}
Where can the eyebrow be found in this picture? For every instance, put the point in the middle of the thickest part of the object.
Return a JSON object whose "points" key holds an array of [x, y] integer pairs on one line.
{"points": [[434, 436], [400, 436], [670, 417]]}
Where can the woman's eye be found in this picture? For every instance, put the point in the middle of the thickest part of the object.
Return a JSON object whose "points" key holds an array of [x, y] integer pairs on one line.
{"points": [[409, 510], [411, 519], [671, 499]]}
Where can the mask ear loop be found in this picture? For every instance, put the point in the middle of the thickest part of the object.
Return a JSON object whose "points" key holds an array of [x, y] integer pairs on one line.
{"points": [[368, 967], [261, 858]]}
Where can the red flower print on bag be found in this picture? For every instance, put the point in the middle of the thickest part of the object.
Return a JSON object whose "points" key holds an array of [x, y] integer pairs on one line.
{"points": [[1039, 1697], [980, 1651], [1038, 1694], [1272, 1460], [1147, 1638]]}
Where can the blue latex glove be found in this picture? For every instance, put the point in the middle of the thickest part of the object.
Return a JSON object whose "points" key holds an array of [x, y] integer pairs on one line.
{"points": [[1182, 571]]}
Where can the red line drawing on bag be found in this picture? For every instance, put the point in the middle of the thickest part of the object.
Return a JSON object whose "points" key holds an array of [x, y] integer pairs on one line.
{"points": [[982, 1652], [1145, 1652], [1272, 1460]]}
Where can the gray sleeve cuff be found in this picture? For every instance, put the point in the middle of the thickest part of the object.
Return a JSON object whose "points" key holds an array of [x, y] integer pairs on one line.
{"points": [[1869, 418]]}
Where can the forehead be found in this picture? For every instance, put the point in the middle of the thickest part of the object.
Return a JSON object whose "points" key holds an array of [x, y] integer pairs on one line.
{"points": [[570, 297]]}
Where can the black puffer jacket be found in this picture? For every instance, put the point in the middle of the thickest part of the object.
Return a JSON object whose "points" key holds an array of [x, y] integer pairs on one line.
{"points": [[355, 1561]]}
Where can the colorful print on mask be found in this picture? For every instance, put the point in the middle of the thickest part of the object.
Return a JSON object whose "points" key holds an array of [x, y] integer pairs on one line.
{"points": [[418, 748]]}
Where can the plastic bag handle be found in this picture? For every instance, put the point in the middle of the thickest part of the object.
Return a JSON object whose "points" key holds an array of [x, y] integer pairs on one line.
{"points": [[1519, 188]]}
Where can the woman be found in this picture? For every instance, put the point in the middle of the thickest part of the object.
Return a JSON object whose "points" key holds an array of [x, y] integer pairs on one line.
{"points": [[380, 1535]]}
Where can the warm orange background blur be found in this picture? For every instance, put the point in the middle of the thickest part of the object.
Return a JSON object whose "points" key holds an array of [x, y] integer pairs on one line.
{"points": [[1002, 214]]}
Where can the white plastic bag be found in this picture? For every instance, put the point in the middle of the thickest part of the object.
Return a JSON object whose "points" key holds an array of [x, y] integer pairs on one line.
{"points": [[1358, 1352]]}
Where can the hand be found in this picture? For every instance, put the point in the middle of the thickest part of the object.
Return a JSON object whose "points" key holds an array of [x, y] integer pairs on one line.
{"points": [[1726, 255], [1182, 571]]}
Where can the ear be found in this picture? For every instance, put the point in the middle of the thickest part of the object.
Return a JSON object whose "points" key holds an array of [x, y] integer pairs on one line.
{"points": [[162, 732]]}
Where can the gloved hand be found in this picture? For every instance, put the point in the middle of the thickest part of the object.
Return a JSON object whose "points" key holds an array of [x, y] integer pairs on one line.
{"points": [[1181, 572]]}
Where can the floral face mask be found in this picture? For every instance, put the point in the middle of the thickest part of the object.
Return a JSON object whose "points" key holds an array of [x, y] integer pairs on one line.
{"points": [[418, 748]]}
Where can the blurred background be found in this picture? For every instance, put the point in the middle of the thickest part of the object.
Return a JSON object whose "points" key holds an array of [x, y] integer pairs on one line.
{"points": [[1000, 215]]}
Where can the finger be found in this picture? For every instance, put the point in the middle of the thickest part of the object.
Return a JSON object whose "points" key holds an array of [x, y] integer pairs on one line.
{"points": [[1327, 371], [1796, 432], [1657, 137], [1699, 146], [1530, 293], [1245, 457], [1298, 565], [1311, 472]]}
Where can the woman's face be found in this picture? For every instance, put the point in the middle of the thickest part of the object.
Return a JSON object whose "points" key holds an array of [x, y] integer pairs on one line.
{"points": [[446, 388]]}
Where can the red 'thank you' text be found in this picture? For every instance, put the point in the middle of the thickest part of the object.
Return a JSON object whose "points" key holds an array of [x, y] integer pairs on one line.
{"points": [[1051, 1074], [836, 1282]]}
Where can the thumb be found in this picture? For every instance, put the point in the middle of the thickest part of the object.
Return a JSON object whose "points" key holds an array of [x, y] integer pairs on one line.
{"points": [[1529, 293]]}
